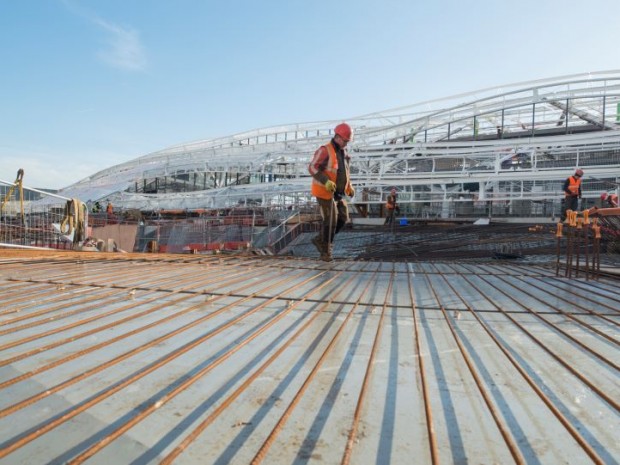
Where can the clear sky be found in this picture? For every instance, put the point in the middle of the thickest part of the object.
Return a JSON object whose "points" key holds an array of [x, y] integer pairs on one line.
{"points": [[87, 84]]}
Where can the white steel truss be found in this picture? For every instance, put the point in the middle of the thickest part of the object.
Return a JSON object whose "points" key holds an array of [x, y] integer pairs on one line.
{"points": [[502, 145]]}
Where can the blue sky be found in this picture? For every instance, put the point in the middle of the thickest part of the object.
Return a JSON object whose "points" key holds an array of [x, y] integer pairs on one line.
{"points": [[87, 84]]}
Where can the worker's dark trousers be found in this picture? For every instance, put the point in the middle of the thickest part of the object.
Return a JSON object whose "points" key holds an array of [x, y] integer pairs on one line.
{"points": [[570, 203], [335, 215]]}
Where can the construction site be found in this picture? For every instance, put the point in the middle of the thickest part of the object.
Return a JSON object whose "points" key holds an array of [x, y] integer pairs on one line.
{"points": [[174, 309]]}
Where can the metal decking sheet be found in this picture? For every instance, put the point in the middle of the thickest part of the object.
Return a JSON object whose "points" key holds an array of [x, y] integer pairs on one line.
{"points": [[228, 359]]}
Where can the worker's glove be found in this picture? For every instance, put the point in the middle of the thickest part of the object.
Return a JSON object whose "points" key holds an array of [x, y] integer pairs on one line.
{"points": [[330, 186], [350, 191]]}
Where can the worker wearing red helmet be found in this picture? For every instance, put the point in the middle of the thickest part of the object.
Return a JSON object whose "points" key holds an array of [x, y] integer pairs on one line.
{"points": [[331, 182], [391, 206], [572, 192]]}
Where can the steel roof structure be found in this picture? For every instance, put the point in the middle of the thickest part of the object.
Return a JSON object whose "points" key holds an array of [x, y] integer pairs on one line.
{"points": [[514, 143], [128, 358]]}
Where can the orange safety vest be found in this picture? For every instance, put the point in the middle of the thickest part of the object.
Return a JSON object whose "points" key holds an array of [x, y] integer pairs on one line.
{"points": [[391, 202], [573, 186], [331, 171]]}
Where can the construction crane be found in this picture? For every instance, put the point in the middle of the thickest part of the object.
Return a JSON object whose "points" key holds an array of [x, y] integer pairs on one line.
{"points": [[19, 184]]}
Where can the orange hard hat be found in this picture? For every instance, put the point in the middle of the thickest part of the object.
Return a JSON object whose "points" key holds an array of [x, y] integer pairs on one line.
{"points": [[343, 130], [579, 172]]}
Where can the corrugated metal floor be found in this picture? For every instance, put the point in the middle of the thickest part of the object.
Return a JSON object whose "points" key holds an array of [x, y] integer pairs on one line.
{"points": [[224, 359]]}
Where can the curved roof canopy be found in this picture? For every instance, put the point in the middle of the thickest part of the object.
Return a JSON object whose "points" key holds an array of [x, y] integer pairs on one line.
{"points": [[552, 124]]}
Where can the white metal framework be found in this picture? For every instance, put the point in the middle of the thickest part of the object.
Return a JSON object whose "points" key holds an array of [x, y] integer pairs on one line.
{"points": [[504, 148]]}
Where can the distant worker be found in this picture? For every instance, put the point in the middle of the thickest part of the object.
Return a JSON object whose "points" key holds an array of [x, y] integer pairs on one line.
{"points": [[572, 192], [331, 181], [391, 207], [109, 209], [609, 200]]}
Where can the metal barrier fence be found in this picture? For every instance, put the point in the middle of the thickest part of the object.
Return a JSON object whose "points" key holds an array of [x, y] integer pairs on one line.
{"points": [[26, 222]]}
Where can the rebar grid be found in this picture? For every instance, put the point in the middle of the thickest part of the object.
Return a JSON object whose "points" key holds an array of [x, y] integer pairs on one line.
{"points": [[253, 359]]}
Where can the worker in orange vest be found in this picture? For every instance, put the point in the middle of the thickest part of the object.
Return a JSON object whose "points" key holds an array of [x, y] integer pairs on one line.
{"points": [[331, 182], [572, 192], [391, 206]]}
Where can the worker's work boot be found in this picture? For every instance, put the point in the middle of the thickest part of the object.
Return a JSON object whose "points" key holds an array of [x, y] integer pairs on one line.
{"points": [[327, 255]]}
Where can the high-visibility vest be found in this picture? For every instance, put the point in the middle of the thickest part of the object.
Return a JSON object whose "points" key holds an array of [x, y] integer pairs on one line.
{"points": [[573, 186], [331, 171]]}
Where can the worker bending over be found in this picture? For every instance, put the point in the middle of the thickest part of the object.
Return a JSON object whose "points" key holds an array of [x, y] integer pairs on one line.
{"points": [[609, 200]]}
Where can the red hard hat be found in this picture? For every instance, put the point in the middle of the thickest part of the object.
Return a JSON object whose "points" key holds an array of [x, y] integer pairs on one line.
{"points": [[603, 195], [579, 172], [344, 131]]}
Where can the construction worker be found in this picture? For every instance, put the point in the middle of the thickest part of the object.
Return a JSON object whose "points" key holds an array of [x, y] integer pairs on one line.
{"points": [[609, 200], [331, 182], [391, 207], [572, 192], [109, 210]]}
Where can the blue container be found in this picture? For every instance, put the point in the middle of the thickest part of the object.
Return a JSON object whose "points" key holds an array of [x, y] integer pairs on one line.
{"points": [[404, 222]]}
